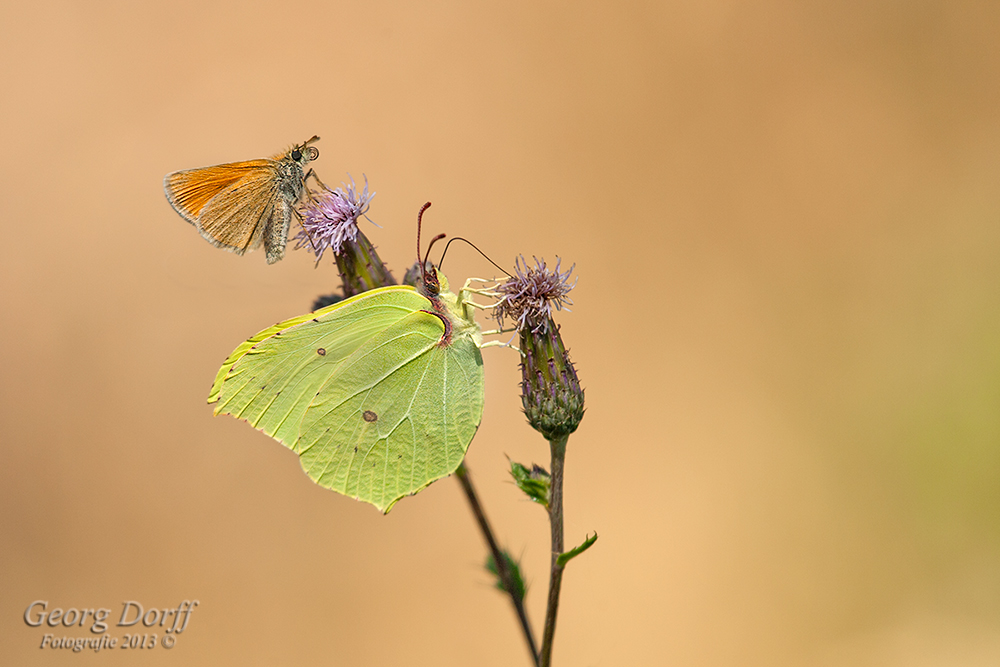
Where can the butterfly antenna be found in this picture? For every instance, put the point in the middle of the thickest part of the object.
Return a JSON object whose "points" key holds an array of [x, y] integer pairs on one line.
{"points": [[313, 152], [420, 217], [423, 260], [459, 238], [433, 241]]}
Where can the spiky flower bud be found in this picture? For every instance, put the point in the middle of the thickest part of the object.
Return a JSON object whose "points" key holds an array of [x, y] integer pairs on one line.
{"points": [[360, 267], [551, 395], [550, 390], [330, 221]]}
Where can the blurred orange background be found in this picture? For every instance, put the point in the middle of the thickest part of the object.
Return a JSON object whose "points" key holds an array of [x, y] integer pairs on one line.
{"points": [[784, 219]]}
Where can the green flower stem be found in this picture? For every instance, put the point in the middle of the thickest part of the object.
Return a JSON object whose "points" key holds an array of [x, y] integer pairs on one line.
{"points": [[498, 557], [558, 446]]}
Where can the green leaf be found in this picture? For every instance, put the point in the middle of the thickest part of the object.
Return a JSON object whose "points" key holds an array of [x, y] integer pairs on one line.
{"points": [[535, 482], [515, 573], [376, 394], [567, 556]]}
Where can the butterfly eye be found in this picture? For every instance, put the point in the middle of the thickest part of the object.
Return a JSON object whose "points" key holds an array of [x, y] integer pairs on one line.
{"points": [[296, 155], [312, 153]]}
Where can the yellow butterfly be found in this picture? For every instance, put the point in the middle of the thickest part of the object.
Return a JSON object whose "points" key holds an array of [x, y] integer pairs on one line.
{"points": [[239, 205]]}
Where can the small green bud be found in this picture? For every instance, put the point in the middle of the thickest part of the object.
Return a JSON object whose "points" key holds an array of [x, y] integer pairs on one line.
{"points": [[520, 589], [535, 482]]}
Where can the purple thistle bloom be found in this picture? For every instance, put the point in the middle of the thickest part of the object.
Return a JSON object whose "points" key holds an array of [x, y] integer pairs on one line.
{"points": [[531, 293], [330, 218]]}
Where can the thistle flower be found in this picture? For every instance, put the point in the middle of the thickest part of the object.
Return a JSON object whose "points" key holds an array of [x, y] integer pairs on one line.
{"points": [[532, 292], [550, 390], [330, 220]]}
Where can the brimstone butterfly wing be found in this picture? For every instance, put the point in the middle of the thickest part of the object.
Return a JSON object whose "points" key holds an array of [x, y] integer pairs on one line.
{"points": [[379, 394]]}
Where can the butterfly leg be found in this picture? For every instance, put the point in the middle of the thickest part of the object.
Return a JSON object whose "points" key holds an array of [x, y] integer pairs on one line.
{"points": [[298, 217], [499, 343], [464, 300], [312, 172], [307, 191], [467, 301], [490, 293], [468, 285]]}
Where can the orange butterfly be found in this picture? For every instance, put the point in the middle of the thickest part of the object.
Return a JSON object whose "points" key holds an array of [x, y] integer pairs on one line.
{"points": [[239, 205]]}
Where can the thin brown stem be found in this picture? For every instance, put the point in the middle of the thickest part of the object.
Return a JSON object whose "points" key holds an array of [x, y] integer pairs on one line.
{"points": [[506, 578], [558, 447]]}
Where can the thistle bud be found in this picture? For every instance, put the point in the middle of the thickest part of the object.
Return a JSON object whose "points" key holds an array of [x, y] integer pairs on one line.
{"points": [[551, 395], [330, 221], [550, 391], [413, 276], [360, 267]]}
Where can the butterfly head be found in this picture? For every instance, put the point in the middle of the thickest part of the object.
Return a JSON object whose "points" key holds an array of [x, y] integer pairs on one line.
{"points": [[304, 153], [431, 284]]}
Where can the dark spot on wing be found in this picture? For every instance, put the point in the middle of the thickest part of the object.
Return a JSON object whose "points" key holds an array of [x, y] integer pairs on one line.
{"points": [[355, 449], [320, 351], [369, 416]]}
